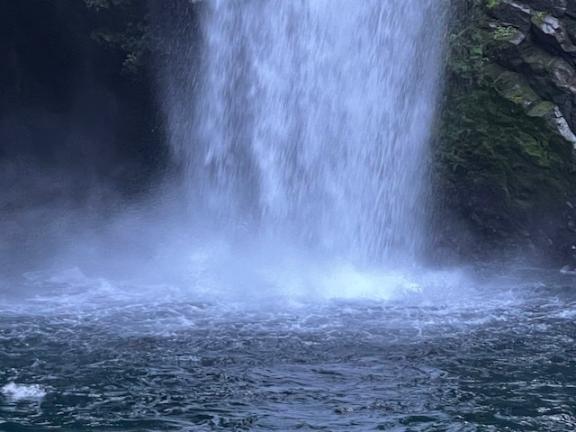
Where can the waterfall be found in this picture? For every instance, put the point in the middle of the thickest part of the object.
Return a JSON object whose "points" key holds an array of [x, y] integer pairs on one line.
{"points": [[307, 121]]}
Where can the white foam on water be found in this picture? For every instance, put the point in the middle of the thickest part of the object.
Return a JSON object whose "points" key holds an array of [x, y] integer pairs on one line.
{"points": [[19, 392], [221, 276]]}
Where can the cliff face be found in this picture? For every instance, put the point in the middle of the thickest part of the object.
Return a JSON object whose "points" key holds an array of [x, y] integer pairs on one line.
{"points": [[78, 125], [77, 106], [505, 165]]}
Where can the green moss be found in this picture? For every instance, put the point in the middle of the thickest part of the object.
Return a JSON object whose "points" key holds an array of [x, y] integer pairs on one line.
{"points": [[497, 162], [539, 17], [504, 33]]}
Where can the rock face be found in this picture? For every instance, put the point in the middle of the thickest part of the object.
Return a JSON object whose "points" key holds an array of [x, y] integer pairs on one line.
{"points": [[506, 148], [79, 127], [75, 92]]}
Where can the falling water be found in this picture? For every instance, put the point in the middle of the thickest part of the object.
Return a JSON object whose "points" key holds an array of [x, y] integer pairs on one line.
{"points": [[308, 120]]}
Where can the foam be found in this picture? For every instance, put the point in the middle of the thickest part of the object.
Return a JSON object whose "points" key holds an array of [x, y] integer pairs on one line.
{"points": [[18, 392]]}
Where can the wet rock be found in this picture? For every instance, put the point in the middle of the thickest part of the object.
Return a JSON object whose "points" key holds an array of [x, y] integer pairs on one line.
{"points": [[554, 118], [552, 33], [555, 7], [512, 13], [559, 122], [571, 9], [553, 78], [570, 26], [506, 45], [514, 88]]}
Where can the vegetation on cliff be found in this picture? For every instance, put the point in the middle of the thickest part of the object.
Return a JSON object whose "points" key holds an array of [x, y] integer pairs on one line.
{"points": [[505, 154]]}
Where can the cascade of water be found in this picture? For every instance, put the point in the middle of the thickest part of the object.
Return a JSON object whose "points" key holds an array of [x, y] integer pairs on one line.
{"points": [[309, 120]]}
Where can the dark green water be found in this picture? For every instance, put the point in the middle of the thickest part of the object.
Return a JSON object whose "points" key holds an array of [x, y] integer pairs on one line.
{"points": [[500, 358]]}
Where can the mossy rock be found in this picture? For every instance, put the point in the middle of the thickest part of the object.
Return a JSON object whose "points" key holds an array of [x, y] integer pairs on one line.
{"points": [[542, 109], [501, 167], [513, 87]]}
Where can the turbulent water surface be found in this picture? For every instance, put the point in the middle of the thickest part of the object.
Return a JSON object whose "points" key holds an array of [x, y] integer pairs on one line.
{"points": [[498, 358]]}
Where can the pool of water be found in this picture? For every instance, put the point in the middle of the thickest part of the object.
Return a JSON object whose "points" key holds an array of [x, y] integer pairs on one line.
{"points": [[501, 357]]}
